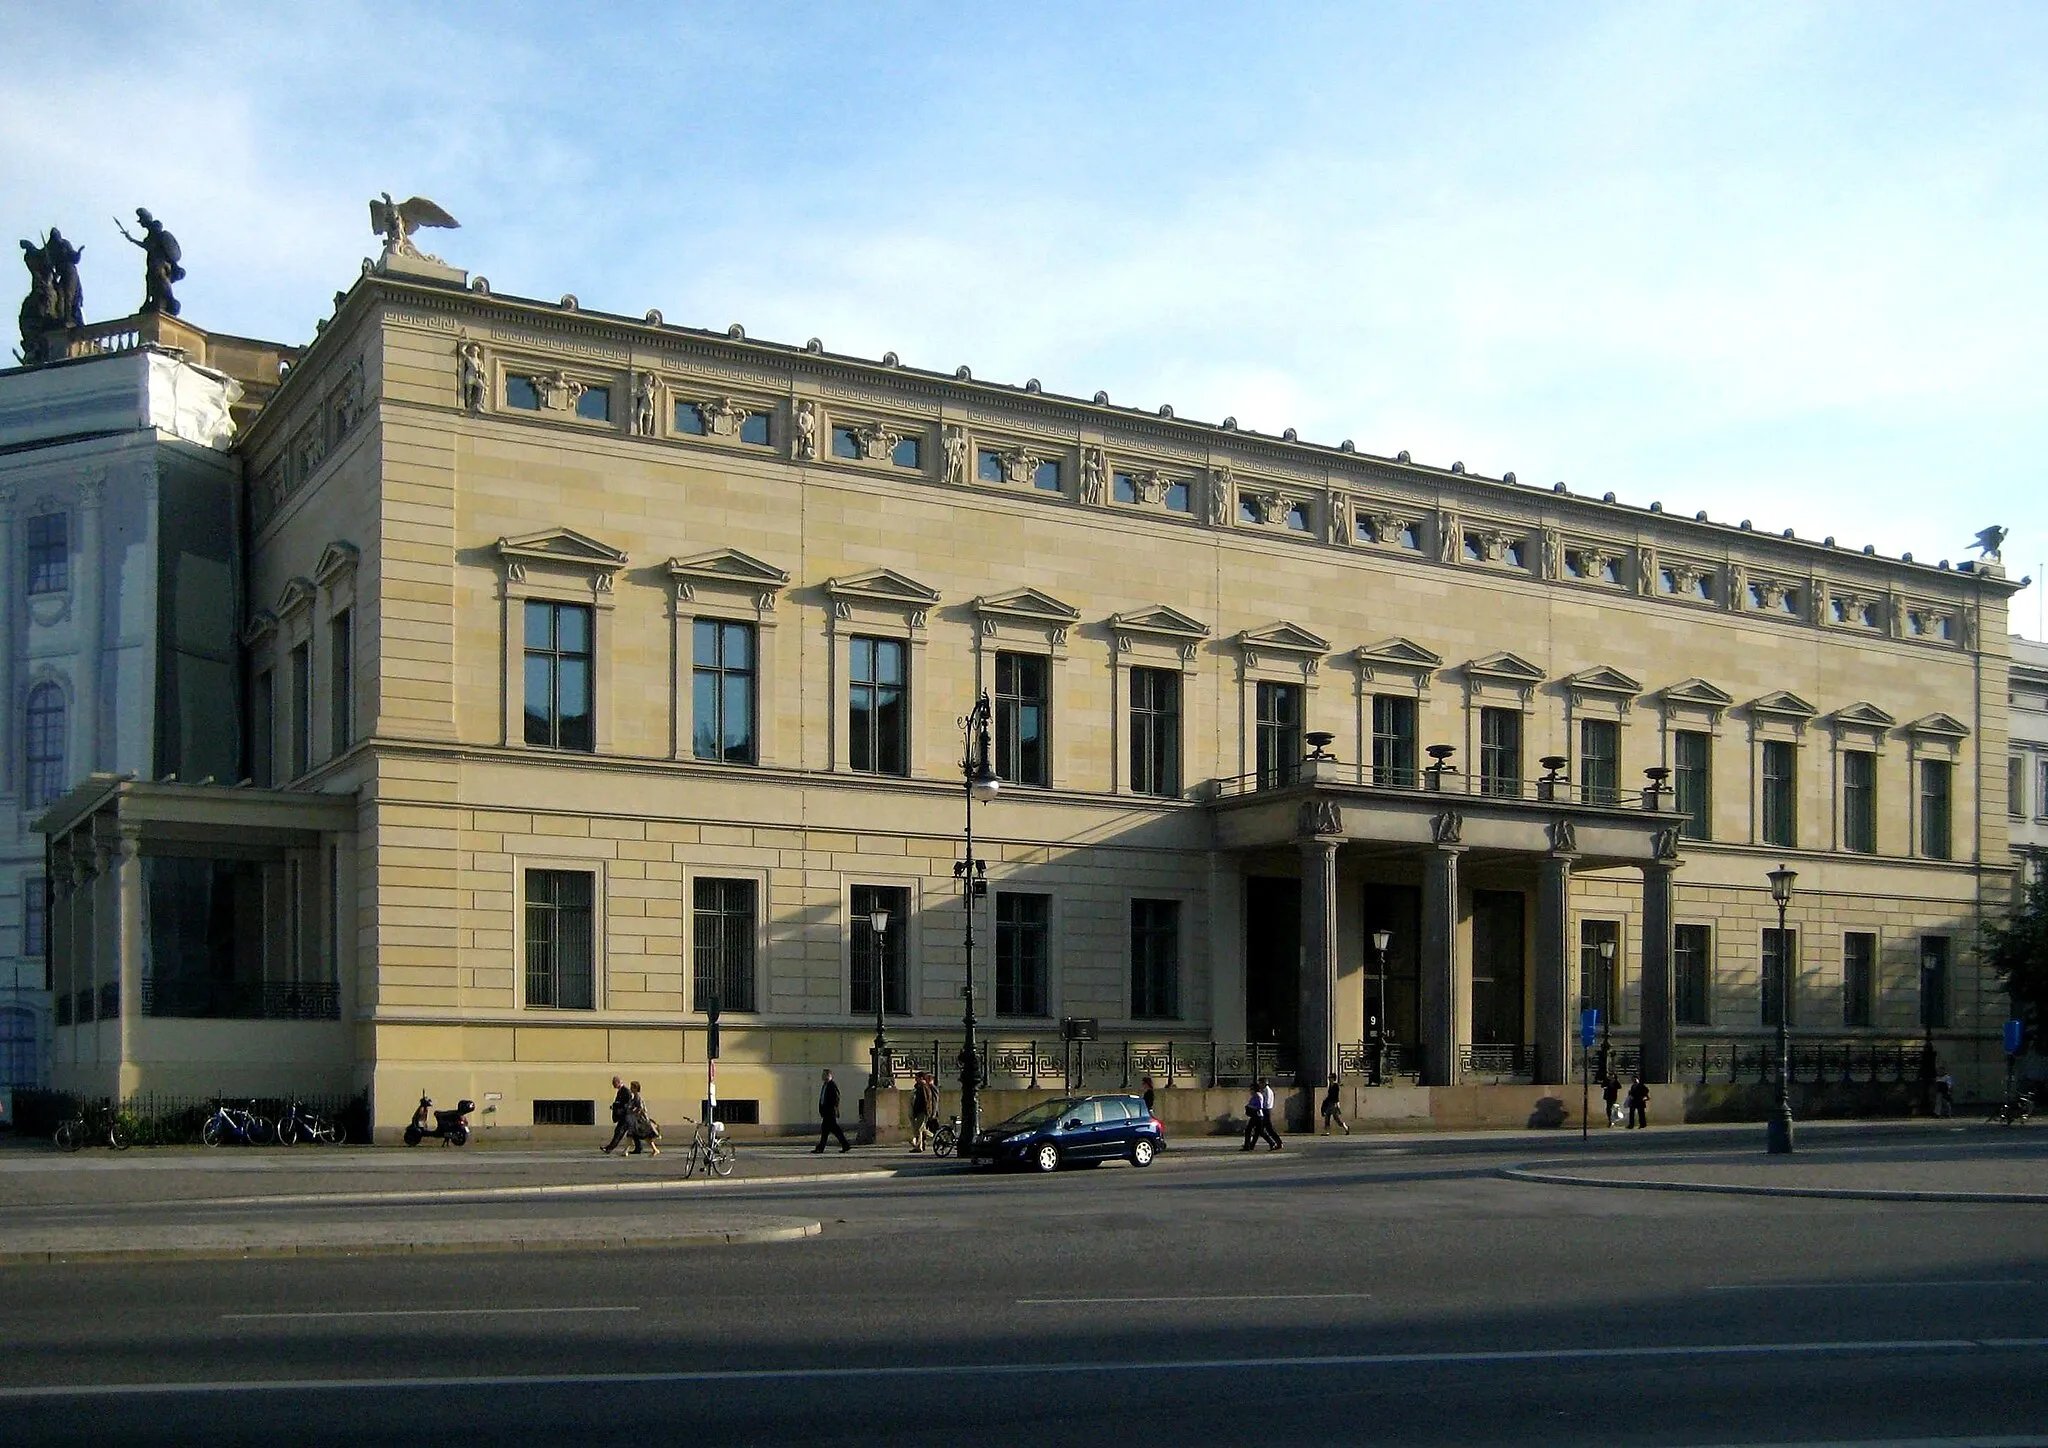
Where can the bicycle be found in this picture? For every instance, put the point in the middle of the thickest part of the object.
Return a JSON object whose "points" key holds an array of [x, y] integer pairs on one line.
{"points": [[229, 1123], [710, 1150], [946, 1139], [2012, 1113], [96, 1121], [298, 1124]]}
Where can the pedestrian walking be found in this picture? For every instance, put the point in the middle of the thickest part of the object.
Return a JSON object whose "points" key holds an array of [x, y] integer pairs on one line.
{"points": [[1266, 1127], [622, 1101], [1333, 1109], [924, 1107], [643, 1128], [1638, 1103], [1148, 1098], [828, 1116], [1254, 1108], [1610, 1092], [1944, 1093]]}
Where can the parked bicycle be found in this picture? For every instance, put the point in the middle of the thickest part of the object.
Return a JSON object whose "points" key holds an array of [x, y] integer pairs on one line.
{"points": [[230, 1123], [2013, 1112], [96, 1123], [946, 1139], [710, 1150], [298, 1123]]}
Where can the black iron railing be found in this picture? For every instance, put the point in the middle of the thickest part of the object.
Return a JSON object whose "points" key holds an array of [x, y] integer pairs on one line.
{"points": [[1102, 1065], [251, 1000], [1824, 1060], [1427, 781]]}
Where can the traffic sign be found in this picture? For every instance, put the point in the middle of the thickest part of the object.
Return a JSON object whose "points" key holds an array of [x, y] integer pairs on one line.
{"points": [[2015, 1032], [1589, 1026]]}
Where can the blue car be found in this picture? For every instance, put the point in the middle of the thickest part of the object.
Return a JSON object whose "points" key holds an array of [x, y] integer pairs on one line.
{"points": [[1073, 1129]]}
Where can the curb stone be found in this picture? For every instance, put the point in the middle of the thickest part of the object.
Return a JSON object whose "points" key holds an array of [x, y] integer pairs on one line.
{"points": [[1735, 1189]]}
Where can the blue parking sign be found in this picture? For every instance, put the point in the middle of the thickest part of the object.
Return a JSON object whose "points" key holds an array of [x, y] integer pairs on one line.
{"points": [[2014, 1033], [1589, 1026]]}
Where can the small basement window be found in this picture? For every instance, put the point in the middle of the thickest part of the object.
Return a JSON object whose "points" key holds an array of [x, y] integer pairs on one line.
{"points": [[740, 1113], [565, 1113]]}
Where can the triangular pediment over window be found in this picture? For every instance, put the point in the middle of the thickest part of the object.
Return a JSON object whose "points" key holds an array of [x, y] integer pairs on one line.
{"points": [[1161, 621], [1603, 679], [1283, 638], [1400, 654], [1864, 716], [1027, 605], [1941, 726], [1504, 665], [883, 586], [261, 627], [563, 547], [728, 565], [1783, 704], [297, 594], [336, 559], [1699, 693]]}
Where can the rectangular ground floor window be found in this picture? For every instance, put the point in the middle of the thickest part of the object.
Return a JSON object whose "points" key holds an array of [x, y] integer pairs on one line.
{"points": [[565, 1113], [1155, 959], [561, 954], [1859, 979], [1692, 972]]}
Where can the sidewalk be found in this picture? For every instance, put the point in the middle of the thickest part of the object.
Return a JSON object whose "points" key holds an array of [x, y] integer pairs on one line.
{"points": [[1978, 1167]]}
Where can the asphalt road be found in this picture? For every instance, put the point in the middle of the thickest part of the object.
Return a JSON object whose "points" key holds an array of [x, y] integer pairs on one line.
{"points": [[1382, 1294]]}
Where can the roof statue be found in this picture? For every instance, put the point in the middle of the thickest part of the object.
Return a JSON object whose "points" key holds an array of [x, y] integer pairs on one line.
{"points": [[1988, 542], [396, 221], [160, 258], [55, 298]]}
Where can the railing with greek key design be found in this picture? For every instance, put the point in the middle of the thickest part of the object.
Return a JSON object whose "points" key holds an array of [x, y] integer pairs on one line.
{"points": [[1817, 1060]]}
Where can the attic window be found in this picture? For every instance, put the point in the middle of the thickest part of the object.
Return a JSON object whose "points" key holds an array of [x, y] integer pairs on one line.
{"points": [[594, 404], [1365, 529], [520, 392], [1249, 511], [1297, 517], [689, 419], [754, 429], [1177, 498], [1124, 488]]}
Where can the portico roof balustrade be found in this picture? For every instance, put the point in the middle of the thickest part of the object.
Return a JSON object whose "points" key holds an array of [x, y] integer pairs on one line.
{"points": [[1437, 817]]}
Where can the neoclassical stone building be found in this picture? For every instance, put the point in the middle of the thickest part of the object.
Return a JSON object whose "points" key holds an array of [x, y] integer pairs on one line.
{"points": [[595, 667]]}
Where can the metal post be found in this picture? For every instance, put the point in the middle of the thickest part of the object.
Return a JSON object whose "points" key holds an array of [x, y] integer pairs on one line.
{"points": [[976, 776], [1778, 1136]]}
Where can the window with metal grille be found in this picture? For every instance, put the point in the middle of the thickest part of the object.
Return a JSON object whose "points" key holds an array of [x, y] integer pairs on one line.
{"points": [[1936, 778], [878, 707], [1393, 740], [1155, 732], [48, 536], [722, 691], [1692, 771], [1934, 982], [1780, 972], [1155, 959], [1021, 710], [1692, 974], [17, 1047], [722, 934], [43, 742], [35, 917], [1500, 751], [1021, 940], [561, 954], [559, 673], [1279, 733], [887, 958], [565, 1113], [1599, 761], [1859, 979], [1859, 801], [1781, 792]]}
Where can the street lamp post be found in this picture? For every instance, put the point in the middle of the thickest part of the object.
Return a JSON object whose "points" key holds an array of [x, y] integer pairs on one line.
{"points": [[1928, 965], [980, 782], [1778, 1138], [1606, 1008], [881, 1070], [1377, 1020]]}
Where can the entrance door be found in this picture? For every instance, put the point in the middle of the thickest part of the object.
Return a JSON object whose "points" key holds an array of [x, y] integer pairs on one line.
{"points": [[1272, 961], [1497, 973]]}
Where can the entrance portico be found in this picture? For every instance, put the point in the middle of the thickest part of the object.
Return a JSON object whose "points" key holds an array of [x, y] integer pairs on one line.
{"points": [[1458, 840]]}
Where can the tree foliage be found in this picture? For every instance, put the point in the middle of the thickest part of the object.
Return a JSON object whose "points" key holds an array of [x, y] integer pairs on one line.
{"points": [[2017, 949]]}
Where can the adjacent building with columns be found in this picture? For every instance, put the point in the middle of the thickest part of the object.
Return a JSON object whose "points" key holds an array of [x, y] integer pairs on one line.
{"points": [[594, 668]]}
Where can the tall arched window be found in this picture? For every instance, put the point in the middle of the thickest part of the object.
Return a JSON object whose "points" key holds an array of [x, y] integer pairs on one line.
{"points": [[45, 741]]}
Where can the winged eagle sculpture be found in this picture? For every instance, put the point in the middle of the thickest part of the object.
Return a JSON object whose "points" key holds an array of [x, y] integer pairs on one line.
{"points": [[396, 221]]}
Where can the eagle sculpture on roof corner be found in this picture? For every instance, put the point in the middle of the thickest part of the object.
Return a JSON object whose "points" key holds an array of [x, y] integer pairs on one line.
{"points": [[396, 221]]}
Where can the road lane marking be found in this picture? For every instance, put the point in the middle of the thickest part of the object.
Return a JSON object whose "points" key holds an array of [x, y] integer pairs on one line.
{"points": [[1091, 1367], [1864, 1286], [1219, 1297], [411, 1312]]}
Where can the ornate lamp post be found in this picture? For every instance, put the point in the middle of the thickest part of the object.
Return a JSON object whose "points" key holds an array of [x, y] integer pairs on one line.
{"points": [[1778, 1138], [1606, 1004], [980, 782], [881, 1071], [1928, 965], [1377, 1020]]}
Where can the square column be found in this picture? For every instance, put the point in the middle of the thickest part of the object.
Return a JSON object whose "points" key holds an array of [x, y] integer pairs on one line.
{"points": [[1553, 971], [1318, 1028], [1445, 986], [1660, 1037]]}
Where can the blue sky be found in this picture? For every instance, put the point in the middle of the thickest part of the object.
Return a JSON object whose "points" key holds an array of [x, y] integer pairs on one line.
{"points": [[1777, 261]]}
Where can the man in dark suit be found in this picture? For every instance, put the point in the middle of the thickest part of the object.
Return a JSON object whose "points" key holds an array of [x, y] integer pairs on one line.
{"points": [[622, 1113], [828, 1116]]}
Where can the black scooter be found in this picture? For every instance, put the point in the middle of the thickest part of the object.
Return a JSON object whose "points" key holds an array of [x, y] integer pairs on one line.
{"points": [[449, 1126]]}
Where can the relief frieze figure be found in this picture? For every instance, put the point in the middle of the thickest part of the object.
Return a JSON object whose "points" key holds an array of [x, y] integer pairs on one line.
{"points": [[1220, 487], [1447, 537], [956, 456], [646, 403], [806, 431], [1092, 469]]}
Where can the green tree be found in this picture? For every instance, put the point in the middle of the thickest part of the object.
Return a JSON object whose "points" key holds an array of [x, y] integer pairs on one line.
{"points": [[2017, 949]]}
